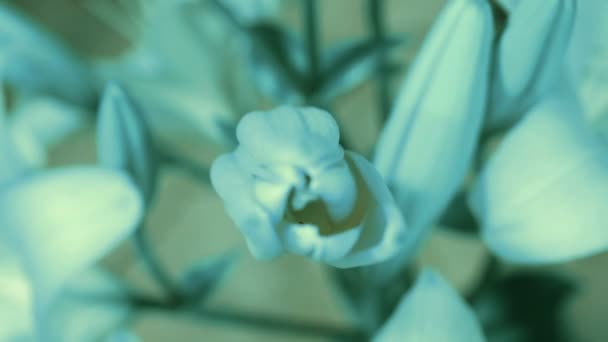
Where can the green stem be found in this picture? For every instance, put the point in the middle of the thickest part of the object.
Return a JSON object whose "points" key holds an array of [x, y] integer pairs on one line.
{"points": [[194, 169], [153, 265], [257, 320], [376, 8], [312, 43]]}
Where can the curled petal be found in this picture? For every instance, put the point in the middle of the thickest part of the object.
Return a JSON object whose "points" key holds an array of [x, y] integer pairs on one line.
{"points": [[308, 137], [426, 146], [62, 221], [432, 311], [542, 196], [235, 187], [543, 29]]}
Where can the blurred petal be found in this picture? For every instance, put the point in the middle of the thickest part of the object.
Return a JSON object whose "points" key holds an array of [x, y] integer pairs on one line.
{"points": [[432, 311], [123, 140], [35, 60], [426, 146], [541, 28], [62, 221], [49, 119], [542, 196]]}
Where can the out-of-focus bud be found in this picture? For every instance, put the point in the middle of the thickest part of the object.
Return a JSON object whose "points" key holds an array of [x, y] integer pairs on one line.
{"points": [[34, 60], [427, 144], [542, 197], [123, 139], [432, 311], [60, 222], [531, 56], [289, 186]]}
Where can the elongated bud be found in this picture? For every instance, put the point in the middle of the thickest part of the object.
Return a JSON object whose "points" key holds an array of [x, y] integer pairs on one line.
{"points": [[427, 144], [531, 56]]}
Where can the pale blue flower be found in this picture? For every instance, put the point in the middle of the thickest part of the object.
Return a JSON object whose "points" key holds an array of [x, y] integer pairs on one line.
{"points": [[289, 186], [36, 61], [530, 57], [426, 146], [60, 222], [542, 196], [432, 311]]}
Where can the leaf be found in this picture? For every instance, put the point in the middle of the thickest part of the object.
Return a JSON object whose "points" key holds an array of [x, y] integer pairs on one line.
{"points": [[277, 61], [458, 216], [350, 63], [525, 307], [203, 278], [124, 141]]}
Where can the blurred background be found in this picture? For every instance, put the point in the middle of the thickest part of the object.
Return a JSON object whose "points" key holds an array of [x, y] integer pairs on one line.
{"points": [[187, 221]]}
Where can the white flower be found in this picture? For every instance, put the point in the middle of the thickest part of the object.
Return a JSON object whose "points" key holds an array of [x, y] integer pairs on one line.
{"points": [[542, 196], [432, 311], [289, 186], [531, 56], [60, 222], [426, 146]]}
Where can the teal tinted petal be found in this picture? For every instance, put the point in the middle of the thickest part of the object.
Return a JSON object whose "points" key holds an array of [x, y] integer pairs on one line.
{"points": [[123, 140], [432, 311], [234, 185], [62, 221], [541, 28], [426, 146], [308, 137], [541, 197], [33, 59]]}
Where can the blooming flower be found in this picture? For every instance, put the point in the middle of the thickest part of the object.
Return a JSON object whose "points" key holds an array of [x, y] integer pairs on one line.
{"points": [[541, 197], [426, 146], [289, 186], [432, 311], [541, 28]]}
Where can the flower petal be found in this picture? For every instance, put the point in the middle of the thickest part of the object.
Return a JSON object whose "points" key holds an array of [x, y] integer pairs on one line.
{"points": [[432, 311], [308, 137], [235, 188], [64, 220], [541, 197], [426, 146], [36, 61], [542, 28]]}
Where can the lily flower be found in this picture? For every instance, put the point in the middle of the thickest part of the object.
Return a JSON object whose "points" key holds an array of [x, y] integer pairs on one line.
{"points": [[541, 197], [432, 311], [289, 186], [426, 146]]}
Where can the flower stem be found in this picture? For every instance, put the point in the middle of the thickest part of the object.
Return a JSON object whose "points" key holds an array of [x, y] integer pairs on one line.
{"points": [[152, 263], [378, 35], [252, 320], [312, 43], [488, 276]]}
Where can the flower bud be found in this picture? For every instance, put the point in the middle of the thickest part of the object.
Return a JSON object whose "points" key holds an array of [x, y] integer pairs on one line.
{"points": [[432, 311], [531, 56], [289, 186], [426, 146], [542, 196]]}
